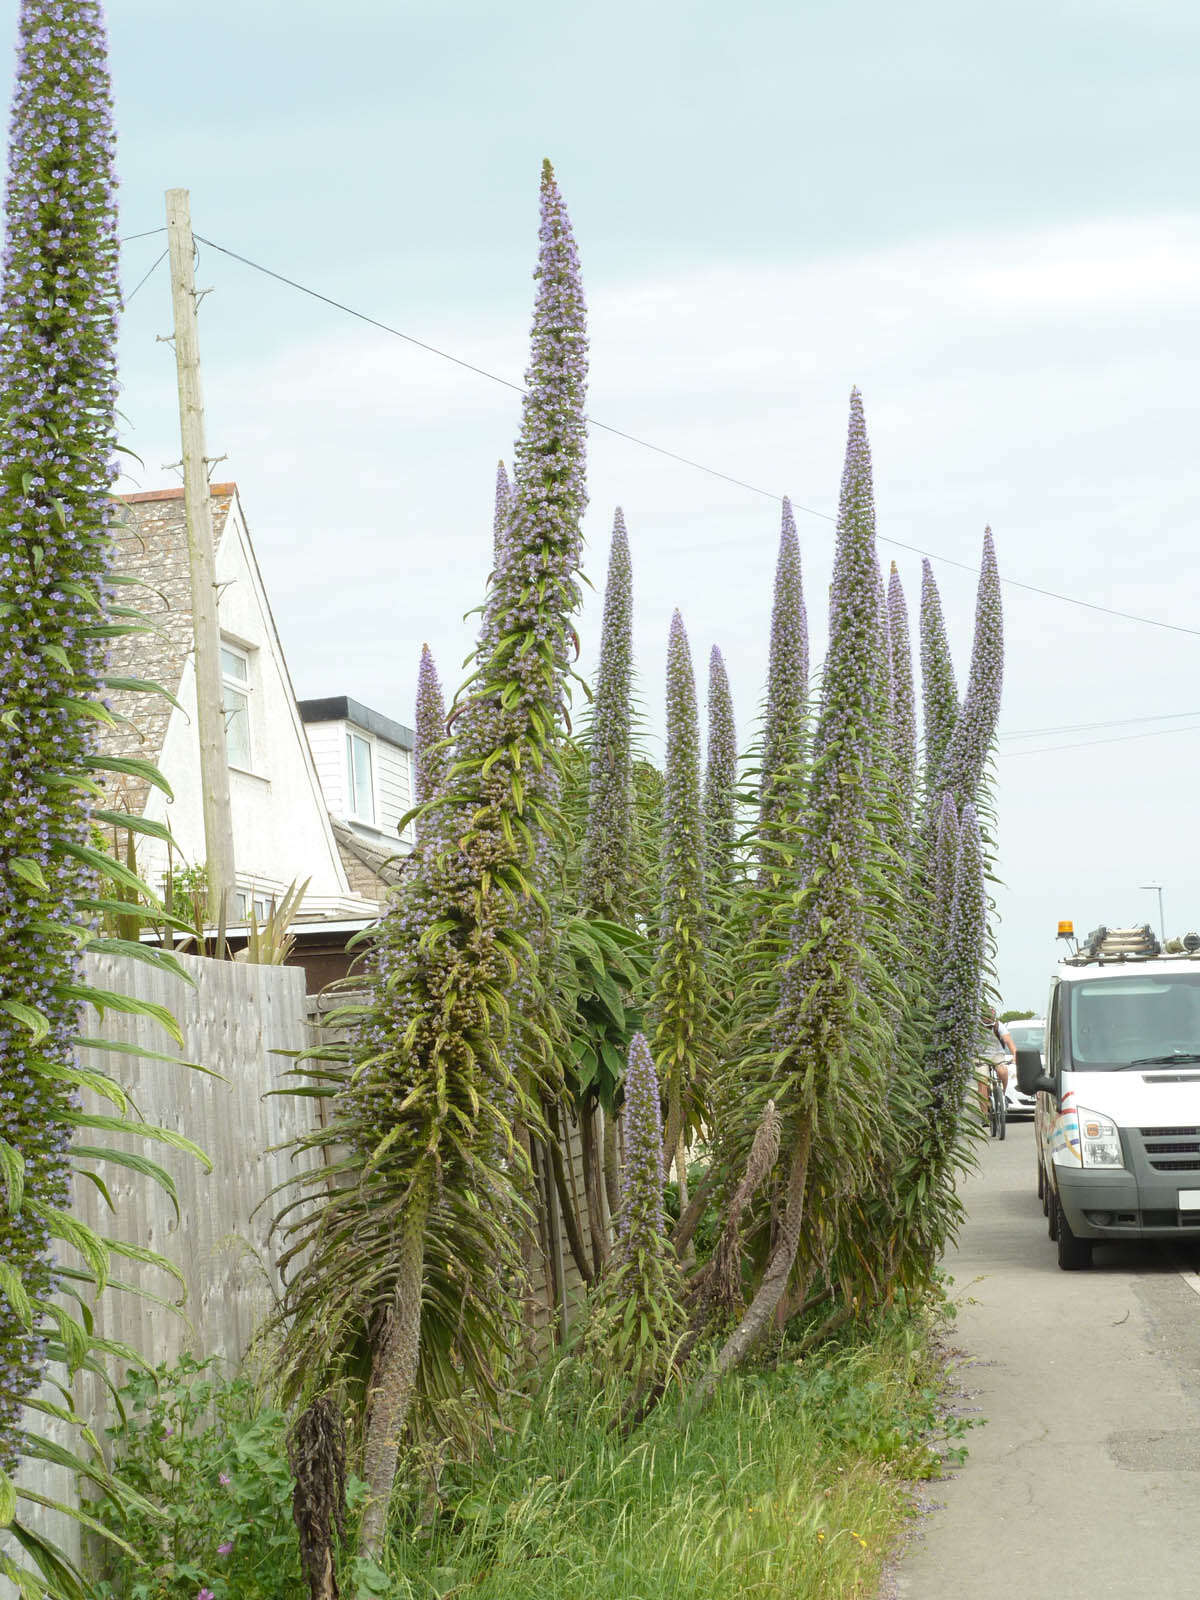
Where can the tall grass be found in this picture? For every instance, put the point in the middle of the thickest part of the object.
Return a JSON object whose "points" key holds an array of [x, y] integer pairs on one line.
{"points": [[791, 1483]]}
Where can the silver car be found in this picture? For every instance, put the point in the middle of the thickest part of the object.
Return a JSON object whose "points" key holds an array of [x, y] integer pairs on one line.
{"points": [[1027, 1035]]}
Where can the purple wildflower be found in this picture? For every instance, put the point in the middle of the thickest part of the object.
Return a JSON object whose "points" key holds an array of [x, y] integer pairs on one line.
{"points": [[971, 742], [641, 1220], [945, 856], [938, 689], [608, 841], [225, 1547], [960, 998], [224, 1479]]}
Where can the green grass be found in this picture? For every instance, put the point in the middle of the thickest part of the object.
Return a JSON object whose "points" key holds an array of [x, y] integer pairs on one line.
{"points": [[790, 1484]]}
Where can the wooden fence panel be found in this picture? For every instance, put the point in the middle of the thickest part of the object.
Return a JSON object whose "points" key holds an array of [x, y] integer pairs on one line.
{"points": [[235, 1018]]}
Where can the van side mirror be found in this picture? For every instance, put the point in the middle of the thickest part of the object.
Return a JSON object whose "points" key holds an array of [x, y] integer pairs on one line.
{"points": [[1031, 1075]]}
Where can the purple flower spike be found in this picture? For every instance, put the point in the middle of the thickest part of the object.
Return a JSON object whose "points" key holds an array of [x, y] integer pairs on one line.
{"points": [[641, 1222], [903, 697], [938, 688], [720, 787], [59, 301], [945, 855], [787, 692], [608, 843], [956, 1038], [429, 753], [682, 1001], [818, 993], [971, 742]]}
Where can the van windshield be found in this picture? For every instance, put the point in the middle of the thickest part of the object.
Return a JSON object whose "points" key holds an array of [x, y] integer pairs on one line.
{"points": [[1115, 1021], [1027, 1035]]}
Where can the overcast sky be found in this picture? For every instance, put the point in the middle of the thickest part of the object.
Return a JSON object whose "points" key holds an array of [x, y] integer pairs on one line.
{"points": [[986, 217]]}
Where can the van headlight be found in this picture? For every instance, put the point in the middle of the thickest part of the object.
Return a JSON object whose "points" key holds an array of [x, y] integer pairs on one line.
{"points": [[1099, 1141]]}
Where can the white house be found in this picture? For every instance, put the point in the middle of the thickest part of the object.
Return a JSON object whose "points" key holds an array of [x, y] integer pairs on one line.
{"points": [[364, 761], [282, 830]]}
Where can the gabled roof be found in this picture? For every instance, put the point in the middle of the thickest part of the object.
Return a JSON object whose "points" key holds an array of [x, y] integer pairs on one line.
{"points": [[150, 545], [370, 868]]}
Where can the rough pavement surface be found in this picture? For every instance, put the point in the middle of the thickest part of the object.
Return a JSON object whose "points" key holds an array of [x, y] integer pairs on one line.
{"points": [[1085, 1481]]}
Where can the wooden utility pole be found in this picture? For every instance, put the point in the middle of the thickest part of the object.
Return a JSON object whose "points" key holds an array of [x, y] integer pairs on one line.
{"points": [[197, 500]]}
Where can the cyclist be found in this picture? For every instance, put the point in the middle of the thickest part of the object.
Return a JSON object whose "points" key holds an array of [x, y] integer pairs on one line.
{"points": [[998, 1052]]}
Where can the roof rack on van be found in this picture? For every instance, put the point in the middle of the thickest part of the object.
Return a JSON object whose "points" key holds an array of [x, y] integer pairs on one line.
{"points": [[1104, 945]]}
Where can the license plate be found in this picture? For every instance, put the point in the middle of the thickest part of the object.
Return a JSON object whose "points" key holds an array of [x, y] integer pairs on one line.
{"points": [[1189, 1199]]}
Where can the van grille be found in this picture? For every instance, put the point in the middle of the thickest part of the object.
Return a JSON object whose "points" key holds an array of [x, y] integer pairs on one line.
{"points": [[1172, 1149]]}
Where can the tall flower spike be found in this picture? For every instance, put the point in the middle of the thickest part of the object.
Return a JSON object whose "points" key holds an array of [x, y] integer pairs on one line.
{"points": [[720, 789], [971, 742], [641, 1222], [501, 514], [437, 1074], [58, 319], [957, 1028], [608, 841], [945, 855], [904, 716], [787, 689], [682, 994], [938, 689], [429, 754], [820, 999]]}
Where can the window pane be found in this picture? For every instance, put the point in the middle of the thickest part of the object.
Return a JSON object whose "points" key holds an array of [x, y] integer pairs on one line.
{"points": [[362, 787], [234, 664], [237, 725]]}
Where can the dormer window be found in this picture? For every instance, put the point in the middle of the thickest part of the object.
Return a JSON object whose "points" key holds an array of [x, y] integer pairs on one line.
{"points": [[360, 769], [235, 701]]}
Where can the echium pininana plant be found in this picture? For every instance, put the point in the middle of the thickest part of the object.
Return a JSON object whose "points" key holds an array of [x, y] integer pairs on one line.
{"points": [[939, 693], [429, 743], [636, 1317], [431, 1215], [787, 699], [608, 841], [904, 716], [956, 1035], [823, 1002], [971, 742], [57, 396], [683, 1000], [720, 791]]}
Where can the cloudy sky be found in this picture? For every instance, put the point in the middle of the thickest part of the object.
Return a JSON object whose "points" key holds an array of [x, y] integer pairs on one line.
{"points": [[985, 217]]}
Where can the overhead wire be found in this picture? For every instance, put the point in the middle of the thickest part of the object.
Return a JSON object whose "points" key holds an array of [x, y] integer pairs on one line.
{"points": [[687, 461], [146, 276], [149, 234], [1087, 744], [1087, 727]]}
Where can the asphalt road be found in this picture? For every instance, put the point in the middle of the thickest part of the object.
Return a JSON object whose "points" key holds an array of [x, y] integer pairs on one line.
{"points": [[1085, 1481]]}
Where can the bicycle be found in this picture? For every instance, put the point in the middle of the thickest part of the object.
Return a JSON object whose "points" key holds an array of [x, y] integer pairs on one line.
{"points": [[997, 1104]]}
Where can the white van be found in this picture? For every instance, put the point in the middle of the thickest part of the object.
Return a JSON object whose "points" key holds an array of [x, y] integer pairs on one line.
{"points": [[1118, 1094]]}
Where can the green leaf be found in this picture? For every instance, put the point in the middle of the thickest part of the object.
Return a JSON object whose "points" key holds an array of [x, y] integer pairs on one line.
{"points": [[14, 1291], [12, 1164], [108, 1000], [144, 1130], [131, 767], [30, 872], [28, 1017]]}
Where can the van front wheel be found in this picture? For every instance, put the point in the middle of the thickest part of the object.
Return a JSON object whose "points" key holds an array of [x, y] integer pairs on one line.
{"points": [[1074, 1255]]}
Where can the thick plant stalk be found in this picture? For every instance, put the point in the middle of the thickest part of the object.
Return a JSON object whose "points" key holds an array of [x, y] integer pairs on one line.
{"points": [[394, 1372], [612, 1165], [726, 1280], [566, 1200], [316, 1450], [601, 1244]]}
